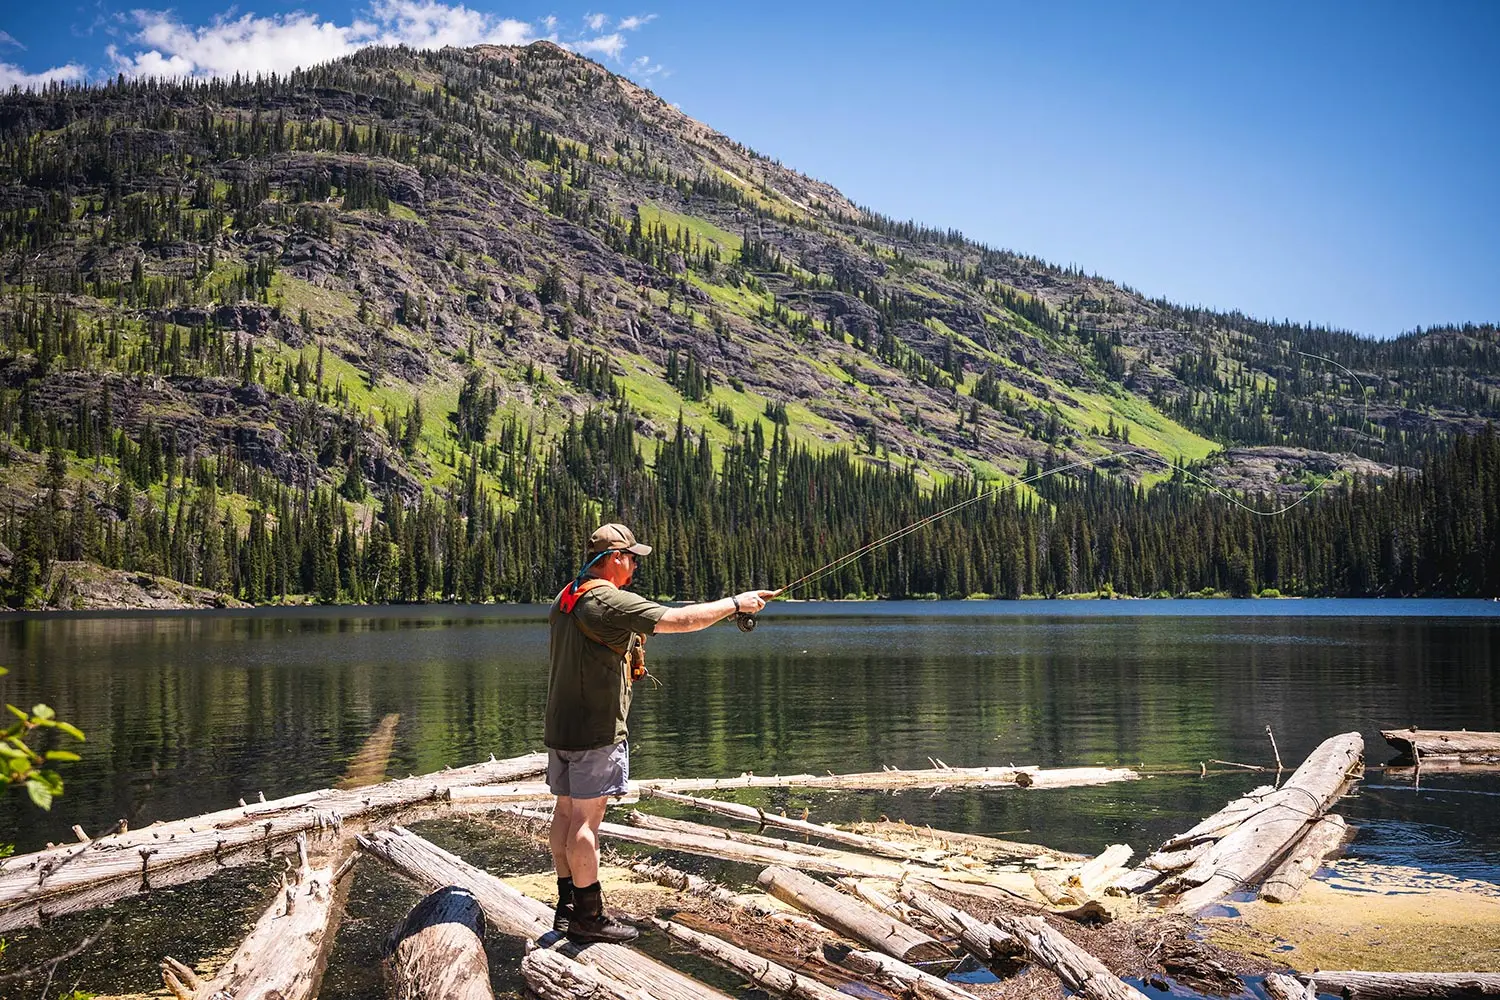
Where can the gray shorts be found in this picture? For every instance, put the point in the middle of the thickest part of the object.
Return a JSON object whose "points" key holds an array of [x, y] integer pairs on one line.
{"points": [[589, 774]]}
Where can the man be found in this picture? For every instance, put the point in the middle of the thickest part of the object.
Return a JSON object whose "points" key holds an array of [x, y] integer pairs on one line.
{"points": [[598, 634]]}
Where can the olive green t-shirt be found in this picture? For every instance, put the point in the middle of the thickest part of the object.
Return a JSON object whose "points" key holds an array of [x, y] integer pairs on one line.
{"points": [[588, 691]]}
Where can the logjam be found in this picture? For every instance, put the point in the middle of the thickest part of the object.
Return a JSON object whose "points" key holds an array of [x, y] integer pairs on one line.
{"points": [[508, 911], [1280, 986], [1321, 840], [851, 917], [984, 848], [1395, 985], [554, 976], [1449, 744], [283, 956], [113, 867], [436, 952], [1079, 971], [1253, 846], [776, 979]]}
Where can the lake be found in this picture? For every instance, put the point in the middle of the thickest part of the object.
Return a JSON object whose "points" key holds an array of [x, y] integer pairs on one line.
{"points": [[187, 712]]}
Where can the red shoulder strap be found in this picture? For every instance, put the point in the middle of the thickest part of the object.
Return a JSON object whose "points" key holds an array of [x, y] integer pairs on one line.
{"points": [[567, 599]]}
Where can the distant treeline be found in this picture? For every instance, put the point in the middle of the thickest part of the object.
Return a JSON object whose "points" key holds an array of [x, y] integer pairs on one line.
{"points": [[764, 513]]}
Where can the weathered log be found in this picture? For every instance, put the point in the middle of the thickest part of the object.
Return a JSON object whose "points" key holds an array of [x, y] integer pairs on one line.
{"points": [[777, 979], [981, 777], [37, 885], [1053, 891], [283, 956], [1451, 744], [510, 912], [851, 917], [1280, 986], [984, 848], [985, 942], [1214, 825], [894, 974], [554, 976], [1320, 840], [1244, 854], [1099, 872], [436, 952], [1419, 985], [646, 821], [1079, 971], [750, 814]]}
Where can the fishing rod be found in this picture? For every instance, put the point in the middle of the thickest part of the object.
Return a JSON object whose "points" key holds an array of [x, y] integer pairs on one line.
{"points": [[746, 620]]}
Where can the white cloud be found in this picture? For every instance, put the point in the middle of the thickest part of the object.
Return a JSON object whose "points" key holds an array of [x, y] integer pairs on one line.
{"points": [[15, 76], [604, 45], [549, 23], [595, 22], [643, 66], [634, 22], [6, 38]]}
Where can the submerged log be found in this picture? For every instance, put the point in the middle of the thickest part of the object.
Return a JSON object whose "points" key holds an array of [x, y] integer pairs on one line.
{"points": [[1321, 840], [283, 956], [554, 976], [436, 952], [105, 869], [984, 848], [777, 979], [1244, 854], [1079, 971], [852, 917], [510, 912], [1397, 985], [1450, 744]]}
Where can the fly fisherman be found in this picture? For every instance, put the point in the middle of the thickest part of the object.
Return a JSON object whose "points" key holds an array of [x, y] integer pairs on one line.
{"points": [[598, 648]]}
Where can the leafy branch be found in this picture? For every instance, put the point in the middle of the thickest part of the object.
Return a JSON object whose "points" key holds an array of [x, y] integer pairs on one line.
{"points": [[23, 765]]}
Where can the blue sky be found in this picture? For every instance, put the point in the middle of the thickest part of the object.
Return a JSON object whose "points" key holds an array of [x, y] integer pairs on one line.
{"points": [[1326, 162]]}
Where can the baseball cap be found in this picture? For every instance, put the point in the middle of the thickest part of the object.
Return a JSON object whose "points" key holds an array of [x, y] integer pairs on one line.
{"points": [[616, 536]]}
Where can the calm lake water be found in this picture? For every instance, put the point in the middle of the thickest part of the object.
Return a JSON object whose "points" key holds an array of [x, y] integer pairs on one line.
{"points": [[190, 712]]}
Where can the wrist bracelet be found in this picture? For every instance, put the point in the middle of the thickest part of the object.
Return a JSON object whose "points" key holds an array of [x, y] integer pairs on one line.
{"points": [[736, 601]]}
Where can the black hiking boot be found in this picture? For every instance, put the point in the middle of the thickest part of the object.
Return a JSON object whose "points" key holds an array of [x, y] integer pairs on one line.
{"points": [[563, 914], [590, 923]]}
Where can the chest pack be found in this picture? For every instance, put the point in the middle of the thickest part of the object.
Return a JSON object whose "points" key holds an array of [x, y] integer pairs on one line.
{"points": [[632, 655]]}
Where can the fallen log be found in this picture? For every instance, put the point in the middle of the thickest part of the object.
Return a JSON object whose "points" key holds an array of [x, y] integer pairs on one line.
{"points": [[283, 956], [1253, 846], [984, 848], [1079, 971], [750, 814], [1419, 985], [554, 976], [1213, 826], [1053, 891], [369, 765], [436, 952], [1280, 986], [895, 974], [646, 821], [777, 979], [985, 942], [1100, 872], [1320, 840], [34, 886], [1450, 744], [851, 917], [508, 911], [892, 779]]}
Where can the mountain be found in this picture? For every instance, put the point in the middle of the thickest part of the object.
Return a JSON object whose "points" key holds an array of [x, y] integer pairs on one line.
{"points": [[452, 282]]}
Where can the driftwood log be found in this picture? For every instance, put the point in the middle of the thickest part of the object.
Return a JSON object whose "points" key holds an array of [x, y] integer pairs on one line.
{"points": [[436, 952], [1396, 985], [775, 979], [1079, 971], [510, 912], [105, 869], [1320, 840], [985, 942], [1280, 986], [646, 821], [851, 917], [1445, 744], [554, 976], [283, 956], [1253, 846], [976, 845]]}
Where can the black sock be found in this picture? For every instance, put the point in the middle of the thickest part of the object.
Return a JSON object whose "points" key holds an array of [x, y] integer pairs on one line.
{"points": [[565, 891]]}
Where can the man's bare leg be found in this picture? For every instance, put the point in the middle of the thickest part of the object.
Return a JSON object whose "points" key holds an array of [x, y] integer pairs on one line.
{"points": [[559, 835], [583, 838]]}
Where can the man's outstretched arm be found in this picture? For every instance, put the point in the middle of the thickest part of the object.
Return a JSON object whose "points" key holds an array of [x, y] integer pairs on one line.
{"points": [[700, 616]]}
